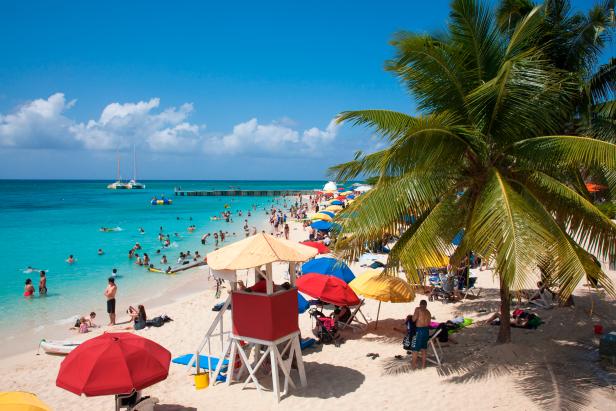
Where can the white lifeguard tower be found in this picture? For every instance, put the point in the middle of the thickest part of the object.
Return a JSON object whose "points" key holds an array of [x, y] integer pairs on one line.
{"points": [[264, 319]]}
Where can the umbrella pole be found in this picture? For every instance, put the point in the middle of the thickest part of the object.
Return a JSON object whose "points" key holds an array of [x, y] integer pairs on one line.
{"points": [[378, 311]]}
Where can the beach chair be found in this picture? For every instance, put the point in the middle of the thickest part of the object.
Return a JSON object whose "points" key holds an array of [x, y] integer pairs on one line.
{"points": [[433, 343], [471, 289], [354, 317]]}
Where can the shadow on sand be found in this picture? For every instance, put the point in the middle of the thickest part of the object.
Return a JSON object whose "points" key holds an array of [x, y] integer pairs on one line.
{"points": [[556, 365]]}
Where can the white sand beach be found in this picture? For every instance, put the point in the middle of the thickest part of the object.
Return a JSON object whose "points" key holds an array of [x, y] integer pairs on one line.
{"points": [[553, 367]]}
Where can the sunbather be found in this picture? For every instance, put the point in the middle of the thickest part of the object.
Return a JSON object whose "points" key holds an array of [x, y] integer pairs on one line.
{"points": [[519, 319]]}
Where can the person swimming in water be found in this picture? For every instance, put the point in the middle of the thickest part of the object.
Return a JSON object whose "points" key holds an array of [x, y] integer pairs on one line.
{"points": [[43, 284], [28, 288], [100, 251], [70, 259]]}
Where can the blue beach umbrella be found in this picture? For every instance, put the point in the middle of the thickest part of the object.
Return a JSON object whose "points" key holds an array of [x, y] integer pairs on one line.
{"points": [[321, 225], [351, 196], [329, 213], [302, 304], [337, 202], [458, 238], [329, 266]]}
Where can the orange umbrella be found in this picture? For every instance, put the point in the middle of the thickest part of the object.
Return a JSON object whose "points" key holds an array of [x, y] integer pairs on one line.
{"points": [[594, 187]]}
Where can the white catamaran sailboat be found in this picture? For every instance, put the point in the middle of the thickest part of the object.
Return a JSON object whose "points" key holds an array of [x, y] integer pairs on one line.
{"points": [[119, 184], [133, 184]]}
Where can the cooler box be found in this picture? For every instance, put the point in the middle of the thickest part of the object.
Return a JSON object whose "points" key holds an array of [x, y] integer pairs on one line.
{"points": [[607, 347], [264, 317]]}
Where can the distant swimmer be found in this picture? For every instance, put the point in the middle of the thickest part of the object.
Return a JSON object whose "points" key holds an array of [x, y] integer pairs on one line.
{"points": [[71, 259], [43, 284], [114, 272], [100, 251], [163, 260], [109, 229], [141, 230], [29, 288], [168, 270]]}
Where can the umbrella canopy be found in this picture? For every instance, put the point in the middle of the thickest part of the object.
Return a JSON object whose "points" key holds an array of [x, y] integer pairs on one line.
{"points": [[257, 250], [321, 225], [113, 363], [321, 248], [341, 198], [21, 401], [330, 186], [595, 188], [374, 285], [329, 213], [351, 196], [334, 208], [337, 202], [363, 188], [321, 216], [346, 193], [329, 266], [328, 289]]}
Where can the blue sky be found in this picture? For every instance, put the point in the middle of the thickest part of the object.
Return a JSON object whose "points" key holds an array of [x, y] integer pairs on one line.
{"points": [[206, 91]]}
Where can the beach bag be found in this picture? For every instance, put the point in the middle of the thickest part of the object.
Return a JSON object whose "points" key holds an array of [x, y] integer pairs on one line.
{"points": [[407, 342]]}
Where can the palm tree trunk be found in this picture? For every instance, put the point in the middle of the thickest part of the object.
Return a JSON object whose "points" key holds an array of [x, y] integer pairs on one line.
{"points": [[504, 331]]}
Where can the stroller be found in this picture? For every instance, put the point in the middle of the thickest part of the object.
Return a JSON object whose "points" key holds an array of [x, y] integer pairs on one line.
{"points": [[325, 328]]}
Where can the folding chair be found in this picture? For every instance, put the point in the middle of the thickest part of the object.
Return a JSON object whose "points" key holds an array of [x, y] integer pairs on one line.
{"points": [[431, 344], [349, 322], [470, 289]]}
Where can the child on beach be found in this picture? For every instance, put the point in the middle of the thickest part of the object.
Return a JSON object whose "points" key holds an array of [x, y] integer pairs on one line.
{"points": [[83, 326]]}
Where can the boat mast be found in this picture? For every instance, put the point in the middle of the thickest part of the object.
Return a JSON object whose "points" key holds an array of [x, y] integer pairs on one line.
{"points": [[134, 163], [118, 156]]}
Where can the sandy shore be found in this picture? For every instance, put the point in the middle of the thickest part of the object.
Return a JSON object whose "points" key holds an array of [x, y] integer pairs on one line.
{"points": [[553, 367]]}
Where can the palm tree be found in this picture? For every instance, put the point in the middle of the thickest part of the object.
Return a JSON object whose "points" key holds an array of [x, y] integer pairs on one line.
{"points": [[484, 156]]}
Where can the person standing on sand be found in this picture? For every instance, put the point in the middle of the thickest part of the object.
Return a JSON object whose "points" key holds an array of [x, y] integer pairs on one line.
{"points": [[43, 284], [110, 293], [421, 318]]}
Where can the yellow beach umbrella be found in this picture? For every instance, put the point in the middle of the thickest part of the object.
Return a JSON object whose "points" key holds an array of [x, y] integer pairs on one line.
{"points": [[334, 208], [21, 401], [258, 250], [321, 216], [346, 193], [375, 285]]}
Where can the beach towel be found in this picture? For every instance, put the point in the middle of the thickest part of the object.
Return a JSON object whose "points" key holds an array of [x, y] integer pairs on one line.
{"points": [[203, 361]]}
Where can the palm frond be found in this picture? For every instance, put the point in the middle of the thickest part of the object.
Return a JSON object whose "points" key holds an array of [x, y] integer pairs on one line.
{"points": [[427, 242], [586, 224], [575, 151], [506, 229]]}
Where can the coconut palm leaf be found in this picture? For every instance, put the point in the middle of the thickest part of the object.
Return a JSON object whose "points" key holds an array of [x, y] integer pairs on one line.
{"points": [[427, 243], [582, 219], [506, 228], [574, 151]]}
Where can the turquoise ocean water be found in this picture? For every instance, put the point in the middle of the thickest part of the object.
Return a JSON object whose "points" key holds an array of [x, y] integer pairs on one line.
{"points": [[42, 222]]}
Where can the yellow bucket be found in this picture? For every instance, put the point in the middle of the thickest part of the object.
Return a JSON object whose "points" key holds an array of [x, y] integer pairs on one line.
{"points": [[202, 380]]}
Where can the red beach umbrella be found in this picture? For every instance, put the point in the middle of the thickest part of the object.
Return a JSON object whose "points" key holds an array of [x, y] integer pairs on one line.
{"points": [[113, 363], [327, 288], [322, 248]]}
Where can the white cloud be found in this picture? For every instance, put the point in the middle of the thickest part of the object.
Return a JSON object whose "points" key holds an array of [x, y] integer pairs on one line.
{"points": [[43, 123], [37, 124], [251, 137], [121, 125]]}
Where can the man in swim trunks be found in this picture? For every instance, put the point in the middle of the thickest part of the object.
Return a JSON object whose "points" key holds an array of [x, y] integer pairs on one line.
{"points": [[422, 318], [110, 293], [43, 284]]}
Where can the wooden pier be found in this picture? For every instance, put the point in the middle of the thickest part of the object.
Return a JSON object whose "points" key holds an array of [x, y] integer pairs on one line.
{"points": [[242, 193]]}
